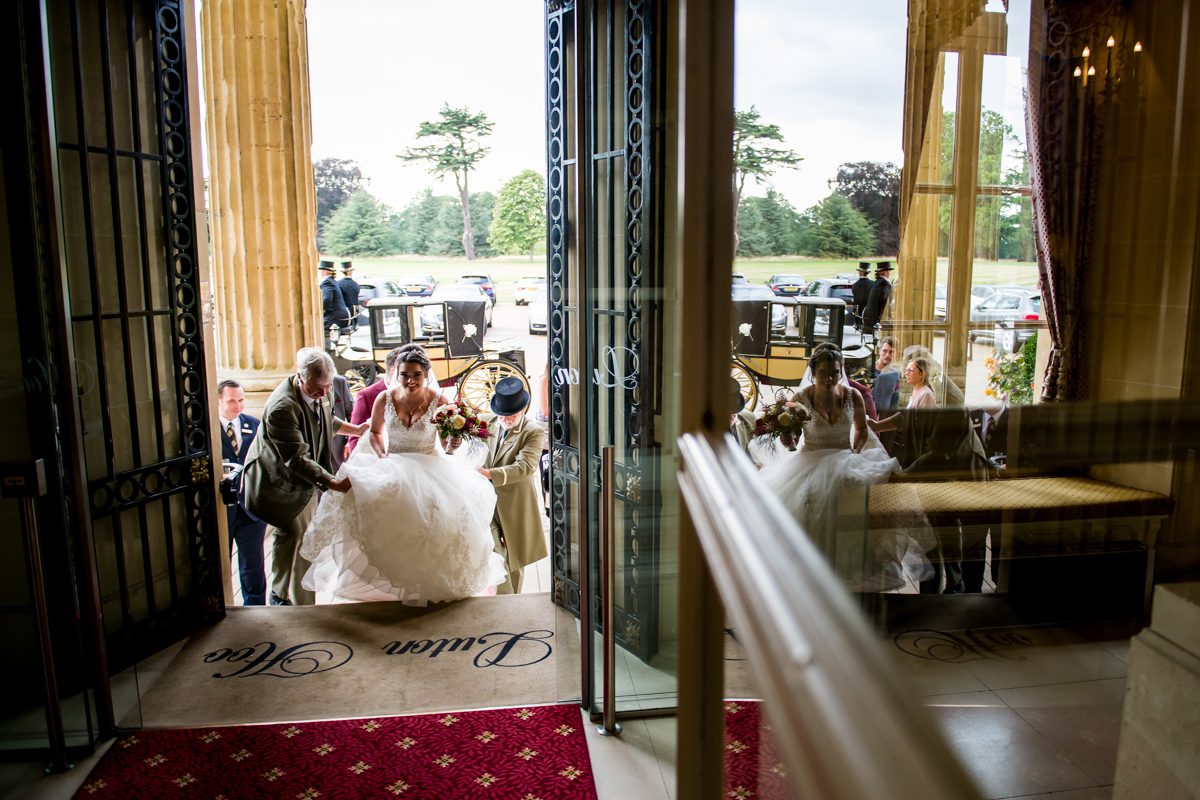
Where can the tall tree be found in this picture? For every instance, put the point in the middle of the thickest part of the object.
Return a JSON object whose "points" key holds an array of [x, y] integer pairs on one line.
{"points": [[768, 226], [444, 237], [873, 187], [361, 227], [838, 229], [335, 180], [456, 148], [755, 155], [519, 222]]}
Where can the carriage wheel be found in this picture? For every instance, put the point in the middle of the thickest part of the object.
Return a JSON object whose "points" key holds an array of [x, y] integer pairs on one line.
{"points": [[361, 377], [479, 382], [746, 385]]}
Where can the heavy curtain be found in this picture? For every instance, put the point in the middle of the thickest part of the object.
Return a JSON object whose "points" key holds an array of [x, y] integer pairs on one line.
{"points": [[1071, 110]]}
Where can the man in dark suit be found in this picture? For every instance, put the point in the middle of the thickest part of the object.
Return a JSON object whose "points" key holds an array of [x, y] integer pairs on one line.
{"points": [[881, 295], [991, 424], [294, 455], [862, 292], [350, 289], [333, 305], [246, 530]]}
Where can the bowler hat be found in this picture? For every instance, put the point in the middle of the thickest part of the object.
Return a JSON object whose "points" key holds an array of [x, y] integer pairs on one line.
{"points": [[325, 266], [883, 266], [510, 397]]}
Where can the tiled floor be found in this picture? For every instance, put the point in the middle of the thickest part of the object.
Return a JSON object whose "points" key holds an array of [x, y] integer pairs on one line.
{"points": [[1033, 713]]}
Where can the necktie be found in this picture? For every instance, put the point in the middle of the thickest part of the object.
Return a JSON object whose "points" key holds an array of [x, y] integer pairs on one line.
{"points": [[232, 434]]}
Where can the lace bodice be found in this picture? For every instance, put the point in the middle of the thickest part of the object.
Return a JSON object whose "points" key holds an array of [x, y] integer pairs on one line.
{"points": [[819, 434], [420, 438]]}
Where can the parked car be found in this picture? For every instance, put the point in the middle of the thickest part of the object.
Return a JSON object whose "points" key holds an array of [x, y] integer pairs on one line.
{"points": [[417, 284], [747, 291], [539, 317], [484, 282], [432, 322], [739, 279], [979, 293], [787, 285], [370, 288], [841, 289], [1006, 304], [526, 286]]}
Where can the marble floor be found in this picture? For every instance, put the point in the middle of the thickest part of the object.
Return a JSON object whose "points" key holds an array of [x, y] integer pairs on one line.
{"points": [[1033, 713]]}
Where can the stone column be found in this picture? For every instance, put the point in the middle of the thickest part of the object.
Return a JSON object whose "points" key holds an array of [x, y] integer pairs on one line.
{"points": [[262, 204]]}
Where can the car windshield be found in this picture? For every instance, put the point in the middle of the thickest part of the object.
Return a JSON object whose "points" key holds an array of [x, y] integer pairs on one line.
{"points": [[471, 292], [747, 292], [1035, 303], [788, 279], [415, 279], [475, 279], [843, 293]]}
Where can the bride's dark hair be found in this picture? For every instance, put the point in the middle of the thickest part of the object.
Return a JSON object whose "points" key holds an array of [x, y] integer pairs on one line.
{"points": [[413, 354], [826, 351]]}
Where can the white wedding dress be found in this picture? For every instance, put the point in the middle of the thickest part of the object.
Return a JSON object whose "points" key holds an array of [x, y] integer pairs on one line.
{"points": [[825, 486], [415, 526]]}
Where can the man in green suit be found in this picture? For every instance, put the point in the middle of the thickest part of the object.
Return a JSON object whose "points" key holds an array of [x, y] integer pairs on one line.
{"points": [[514, 449], [289, 464]]}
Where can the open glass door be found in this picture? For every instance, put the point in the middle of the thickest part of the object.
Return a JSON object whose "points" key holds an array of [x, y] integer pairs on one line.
{"points": [[606, 348]]}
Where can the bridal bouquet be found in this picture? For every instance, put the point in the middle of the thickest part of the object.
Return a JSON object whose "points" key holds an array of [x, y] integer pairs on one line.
{"points": [[459, 419], [782, 420]]}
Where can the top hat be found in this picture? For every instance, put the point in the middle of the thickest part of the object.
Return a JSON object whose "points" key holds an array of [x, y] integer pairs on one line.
{"points": [[325, 266], [347, 266], [883, 266], [510, 397], [864, 267]]}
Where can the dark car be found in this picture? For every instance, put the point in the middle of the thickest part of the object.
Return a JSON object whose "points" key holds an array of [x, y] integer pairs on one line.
{"points": [[747, 291], [484, 282], [787, 285], [417, 284]]}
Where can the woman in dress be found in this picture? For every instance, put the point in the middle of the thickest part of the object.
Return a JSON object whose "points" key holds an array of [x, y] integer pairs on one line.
{"points": [[416, 524], [916, 374], [839, 455]]}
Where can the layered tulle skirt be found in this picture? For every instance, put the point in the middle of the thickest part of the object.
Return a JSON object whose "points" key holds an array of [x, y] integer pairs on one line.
{"points": [[827, 491], [413, 527]]}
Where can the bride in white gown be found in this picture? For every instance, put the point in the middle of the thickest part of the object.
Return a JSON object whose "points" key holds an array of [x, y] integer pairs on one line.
{"points": [[825, 485], [415, 525]]}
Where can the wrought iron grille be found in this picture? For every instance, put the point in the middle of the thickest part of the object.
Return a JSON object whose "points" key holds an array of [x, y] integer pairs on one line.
{"points": [[119, 74]]}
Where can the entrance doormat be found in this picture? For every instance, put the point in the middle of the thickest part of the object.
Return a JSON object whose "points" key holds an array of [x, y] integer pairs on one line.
{"points": [[269, 664], [533, 752]]}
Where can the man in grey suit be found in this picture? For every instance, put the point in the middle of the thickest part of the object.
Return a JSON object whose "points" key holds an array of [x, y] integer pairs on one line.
{"points": [[294, 455]]}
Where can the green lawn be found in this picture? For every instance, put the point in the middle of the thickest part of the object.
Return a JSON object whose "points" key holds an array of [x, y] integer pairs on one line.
{"points": [[505, 270]]}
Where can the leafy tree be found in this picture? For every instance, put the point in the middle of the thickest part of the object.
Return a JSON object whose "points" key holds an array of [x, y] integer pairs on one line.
{"points": [[1004, 224], [457, 147], [335, 180], [417, 223], [768, 226], [838, 229], [445, 233], [755, 156], [362, 227], [519, 223], [873, 188]]}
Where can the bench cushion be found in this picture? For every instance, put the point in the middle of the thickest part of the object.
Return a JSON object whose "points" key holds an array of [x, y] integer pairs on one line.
{"points": [[1012, 500]]}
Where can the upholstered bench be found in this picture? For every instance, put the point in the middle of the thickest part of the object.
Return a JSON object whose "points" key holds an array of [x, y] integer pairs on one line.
{"points": [[1035, 517]]}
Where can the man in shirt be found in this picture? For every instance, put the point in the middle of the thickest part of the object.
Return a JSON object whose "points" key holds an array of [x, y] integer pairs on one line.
{"points": [[245, 529]]}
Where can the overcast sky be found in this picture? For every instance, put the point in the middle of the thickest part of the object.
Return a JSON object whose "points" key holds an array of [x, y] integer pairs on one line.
{"points": [[830, 74]]}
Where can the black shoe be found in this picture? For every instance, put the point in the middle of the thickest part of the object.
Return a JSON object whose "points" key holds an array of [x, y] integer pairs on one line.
{"points": [[276, 600]]}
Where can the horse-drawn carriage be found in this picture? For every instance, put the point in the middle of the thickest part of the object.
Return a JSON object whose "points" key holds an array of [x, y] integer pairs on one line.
{"points": [[766, 355], [452, 334]]}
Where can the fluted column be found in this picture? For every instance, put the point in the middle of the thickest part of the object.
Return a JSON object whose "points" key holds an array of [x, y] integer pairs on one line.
{"points": [[262, 203]]}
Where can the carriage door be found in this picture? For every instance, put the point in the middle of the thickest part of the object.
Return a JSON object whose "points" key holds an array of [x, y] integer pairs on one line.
{"points": [[605, 281], [119, 78]]}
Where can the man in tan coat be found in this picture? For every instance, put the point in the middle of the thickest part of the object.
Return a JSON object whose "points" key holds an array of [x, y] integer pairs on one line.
{"points": [[514, 449]]}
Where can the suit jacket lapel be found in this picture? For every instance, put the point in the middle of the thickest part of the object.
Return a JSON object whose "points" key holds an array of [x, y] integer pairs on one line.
{"points": [[510, 440]]}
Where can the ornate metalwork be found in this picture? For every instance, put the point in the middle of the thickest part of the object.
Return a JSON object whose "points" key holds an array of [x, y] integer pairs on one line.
{"points": [[180, 221]]}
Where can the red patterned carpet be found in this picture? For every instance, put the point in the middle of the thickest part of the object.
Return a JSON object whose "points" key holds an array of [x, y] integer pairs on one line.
{"points": [[533, 753], [752, 765]]}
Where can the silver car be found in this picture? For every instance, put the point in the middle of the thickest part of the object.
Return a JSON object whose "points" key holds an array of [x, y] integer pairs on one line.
{"points": [[539, 317], [1007, 304]]}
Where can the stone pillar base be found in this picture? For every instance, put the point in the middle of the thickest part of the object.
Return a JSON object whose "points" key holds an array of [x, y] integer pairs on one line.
{"points": [[1159, 752]]}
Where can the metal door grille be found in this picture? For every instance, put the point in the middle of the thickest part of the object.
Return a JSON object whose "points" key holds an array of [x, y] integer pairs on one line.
{"points": [[119, 78]]}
